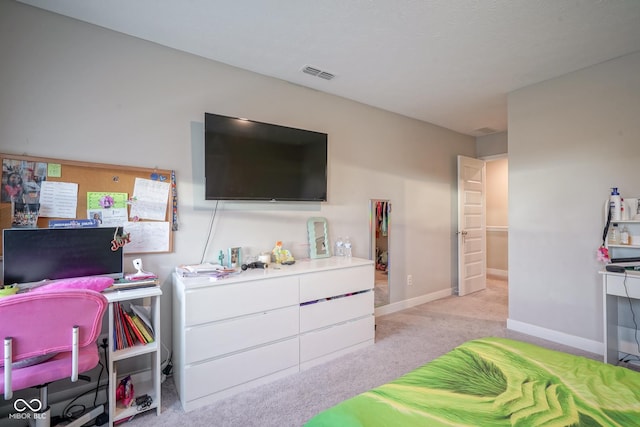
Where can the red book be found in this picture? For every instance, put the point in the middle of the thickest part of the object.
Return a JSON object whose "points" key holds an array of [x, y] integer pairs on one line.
{"points": [[125, 328], [134, 328]]}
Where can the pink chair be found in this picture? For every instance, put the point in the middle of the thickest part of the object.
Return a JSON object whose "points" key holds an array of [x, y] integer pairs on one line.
{"points": [[49, 336]]}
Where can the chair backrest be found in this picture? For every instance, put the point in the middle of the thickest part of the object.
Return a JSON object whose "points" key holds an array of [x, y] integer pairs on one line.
{"points": [[40, 323]]}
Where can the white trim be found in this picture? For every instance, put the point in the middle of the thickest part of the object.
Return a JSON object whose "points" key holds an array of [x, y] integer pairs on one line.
{"points": [[556, 336], [497, 228], [497, 273], [412, 302]]}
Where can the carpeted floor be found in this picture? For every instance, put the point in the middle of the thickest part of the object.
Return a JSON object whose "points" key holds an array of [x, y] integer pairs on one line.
{"points": [[404, 341], [381, 289]]}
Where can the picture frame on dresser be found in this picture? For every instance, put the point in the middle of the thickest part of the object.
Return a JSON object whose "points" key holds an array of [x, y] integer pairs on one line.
{"points": [[235, 257]]}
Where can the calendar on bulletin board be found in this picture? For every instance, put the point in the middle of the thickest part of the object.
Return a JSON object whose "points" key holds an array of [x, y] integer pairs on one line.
{"points": [[53, 193]]}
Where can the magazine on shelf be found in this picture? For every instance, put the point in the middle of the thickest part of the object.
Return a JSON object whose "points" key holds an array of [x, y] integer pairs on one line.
{"points": [[144, 314]]}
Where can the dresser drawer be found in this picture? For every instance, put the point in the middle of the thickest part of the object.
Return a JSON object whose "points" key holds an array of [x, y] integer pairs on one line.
{"points": [[238, 299], [623, 286], [219, 338], [325, 341], [325, 313], [219, 374], [330, 283]]}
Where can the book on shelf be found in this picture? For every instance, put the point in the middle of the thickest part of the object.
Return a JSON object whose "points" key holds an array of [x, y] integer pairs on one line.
{"points": [[143, 313], [125, 328], [146, 333], [134, 329], [117, 343], [129, 329]]}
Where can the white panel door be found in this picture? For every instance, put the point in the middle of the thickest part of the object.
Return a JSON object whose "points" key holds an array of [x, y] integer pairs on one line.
{"points": [[472, 257]]}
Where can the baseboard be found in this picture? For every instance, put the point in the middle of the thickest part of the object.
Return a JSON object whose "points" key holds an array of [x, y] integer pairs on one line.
{"points": [[503, 274], [556, 336], [411, 302]]}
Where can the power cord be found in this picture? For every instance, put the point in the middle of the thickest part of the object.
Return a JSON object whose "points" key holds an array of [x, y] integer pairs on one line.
{"points": [[104, 346], [210, 234], [167, 370], [72, 411]]}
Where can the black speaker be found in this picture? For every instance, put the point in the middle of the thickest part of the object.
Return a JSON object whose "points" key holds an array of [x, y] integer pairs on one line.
{"points": [[615, 268]]}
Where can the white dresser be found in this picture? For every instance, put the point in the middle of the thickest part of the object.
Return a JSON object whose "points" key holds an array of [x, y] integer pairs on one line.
{"points": [[260, 325]]}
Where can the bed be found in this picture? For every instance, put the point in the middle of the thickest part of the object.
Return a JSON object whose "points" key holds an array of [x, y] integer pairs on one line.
{"points": [[497, 382]]}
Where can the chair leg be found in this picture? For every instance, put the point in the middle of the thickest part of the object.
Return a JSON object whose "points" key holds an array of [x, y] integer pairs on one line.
{"points": [[43, 416], [8, 351], [44, 395]]}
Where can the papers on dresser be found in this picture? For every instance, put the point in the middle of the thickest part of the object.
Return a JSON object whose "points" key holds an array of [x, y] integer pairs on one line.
{"points": [[207, 269]]}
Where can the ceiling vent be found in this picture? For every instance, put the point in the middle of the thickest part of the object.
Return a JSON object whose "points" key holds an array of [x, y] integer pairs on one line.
{"points": [[318, 73], [486, 131]]}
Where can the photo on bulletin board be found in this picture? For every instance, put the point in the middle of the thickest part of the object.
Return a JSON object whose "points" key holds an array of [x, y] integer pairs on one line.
{"points": [[21, 180], [24, 215]]}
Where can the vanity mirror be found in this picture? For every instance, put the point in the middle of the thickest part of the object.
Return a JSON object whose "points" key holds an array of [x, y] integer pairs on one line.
{"points": [[318, 238]]}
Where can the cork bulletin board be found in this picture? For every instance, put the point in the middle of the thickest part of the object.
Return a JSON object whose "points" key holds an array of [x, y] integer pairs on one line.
{"points": [[67, 193]]}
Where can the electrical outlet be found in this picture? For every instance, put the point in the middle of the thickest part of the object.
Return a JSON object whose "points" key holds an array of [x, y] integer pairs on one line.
{"points": [[409, 280]]}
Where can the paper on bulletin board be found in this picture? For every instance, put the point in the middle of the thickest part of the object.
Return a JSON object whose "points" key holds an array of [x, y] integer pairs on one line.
{"points": [[106, 200], [147, 236], [58, 199], [150, 199], [54, 170], [108, 208]]}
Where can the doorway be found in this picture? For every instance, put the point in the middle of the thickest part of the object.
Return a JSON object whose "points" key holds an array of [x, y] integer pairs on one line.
{"points": [[379, 224], [495, 199], [497, 217]]}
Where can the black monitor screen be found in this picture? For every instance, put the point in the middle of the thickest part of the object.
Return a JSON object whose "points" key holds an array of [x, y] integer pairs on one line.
{"points": [[35, 254], [248, 160]]}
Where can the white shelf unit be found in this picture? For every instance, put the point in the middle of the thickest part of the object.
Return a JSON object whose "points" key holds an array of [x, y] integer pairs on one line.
{"points": [[626, 251], [236, 333], [147, 382]]}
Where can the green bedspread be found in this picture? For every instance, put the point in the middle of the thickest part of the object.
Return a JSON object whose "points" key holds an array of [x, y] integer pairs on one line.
{"points": [[497, 382]]}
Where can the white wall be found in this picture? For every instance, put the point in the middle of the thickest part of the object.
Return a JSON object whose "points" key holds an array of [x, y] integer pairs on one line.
{"points": [[492, 145], [570, 139], [76, 91]]}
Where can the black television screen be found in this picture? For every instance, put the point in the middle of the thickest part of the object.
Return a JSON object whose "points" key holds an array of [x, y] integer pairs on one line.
{"points": [[36, 254], [248, 160]]}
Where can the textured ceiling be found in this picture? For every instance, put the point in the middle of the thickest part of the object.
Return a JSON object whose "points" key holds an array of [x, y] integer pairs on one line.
{"points": [[447, 62]]}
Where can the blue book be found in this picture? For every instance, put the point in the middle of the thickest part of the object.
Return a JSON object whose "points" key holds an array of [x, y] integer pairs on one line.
{"points": [[73, 223]]}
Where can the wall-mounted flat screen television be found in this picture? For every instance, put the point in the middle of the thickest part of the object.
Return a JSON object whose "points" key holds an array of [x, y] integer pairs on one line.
{"points": [[35, 254], [249, 160]]}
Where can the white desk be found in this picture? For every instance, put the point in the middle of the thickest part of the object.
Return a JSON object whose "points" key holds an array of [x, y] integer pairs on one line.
{"points": [[615, 285]]}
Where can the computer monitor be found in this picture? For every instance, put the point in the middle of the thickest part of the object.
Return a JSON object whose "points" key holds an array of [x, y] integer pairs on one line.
{"points": [[31, 255]]}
